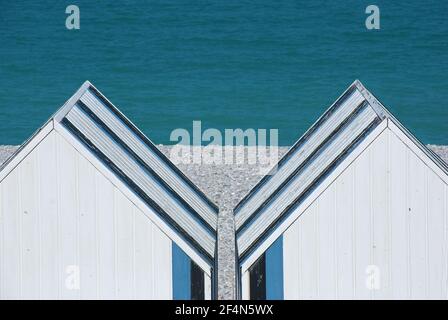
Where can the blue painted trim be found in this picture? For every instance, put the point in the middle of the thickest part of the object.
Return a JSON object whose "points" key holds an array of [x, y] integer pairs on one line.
{"points": [[274, 270], [181, 274]]}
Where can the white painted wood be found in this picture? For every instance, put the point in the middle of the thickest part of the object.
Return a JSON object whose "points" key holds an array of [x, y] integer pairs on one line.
{"points": [[250, 259], [326, 236], [68, 206], [25, 149], [322, 132], [30, 252], [303, 180], [207, 287], [159, 166], [63, 215], [384, 216], [307, 250], [148, 184], [417, 229], [105, 236], [11, 238], [417, 150], [379, 178], [48, 213], [362, 222], [124, 215], [68, 105], [245, 286], [398, 209], [88, 252], [436, 228], [143, 244], [162, 266], [344, 212], [143, 207], [291, 264]]}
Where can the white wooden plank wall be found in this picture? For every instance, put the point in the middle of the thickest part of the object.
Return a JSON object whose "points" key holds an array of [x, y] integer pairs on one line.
{"points": [[60, 218], [384, 217]]}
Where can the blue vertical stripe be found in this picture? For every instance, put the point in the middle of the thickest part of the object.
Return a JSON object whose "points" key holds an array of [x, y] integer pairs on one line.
{"points": [[274, 270], [181, 274]]}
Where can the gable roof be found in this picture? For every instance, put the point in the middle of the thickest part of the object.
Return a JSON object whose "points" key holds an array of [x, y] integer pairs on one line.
{"points": [[330, 139], [130, 155]]}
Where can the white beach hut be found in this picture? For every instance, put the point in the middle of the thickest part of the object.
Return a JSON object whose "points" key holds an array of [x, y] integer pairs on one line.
{"points": [[358, 208], [90, 208]]}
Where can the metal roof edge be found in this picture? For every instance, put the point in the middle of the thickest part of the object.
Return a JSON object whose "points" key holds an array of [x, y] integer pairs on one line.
{"points": [[62, 110], [154, 147], [380, 108], [68, 105], [291, 150], [56, 119], [386, 117], [21, 151], [289, 217], [161, 221]]}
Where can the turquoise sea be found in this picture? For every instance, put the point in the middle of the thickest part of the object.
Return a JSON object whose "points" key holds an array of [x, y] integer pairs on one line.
{"points": [[231, 64]]}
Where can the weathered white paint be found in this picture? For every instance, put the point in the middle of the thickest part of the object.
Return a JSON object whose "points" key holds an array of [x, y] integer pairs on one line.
{"points": [[58, 213], [387, 210]]}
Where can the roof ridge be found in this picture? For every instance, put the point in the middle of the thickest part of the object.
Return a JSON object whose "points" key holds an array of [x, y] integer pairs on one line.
{"points": [[384, 112], [376, 105]]}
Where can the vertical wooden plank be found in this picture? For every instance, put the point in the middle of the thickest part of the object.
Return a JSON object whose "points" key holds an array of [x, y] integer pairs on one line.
{"points": [[380, 211], [344, 216], [68, 219], [362, 225], [87, 229], [245, 284], [162, 265], [125, 249], [106, 237], [48, 210], [417, 219], [291, 262], [436, 223], [399, 222], [11, 281], [326, 249], [143, 256], [30, 226], [207, 287], [308, 253]]}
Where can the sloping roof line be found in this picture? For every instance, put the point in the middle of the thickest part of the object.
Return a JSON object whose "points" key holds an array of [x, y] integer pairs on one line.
{"points": [[301, 153], [344, 125], [127, 152], [374, 102]]}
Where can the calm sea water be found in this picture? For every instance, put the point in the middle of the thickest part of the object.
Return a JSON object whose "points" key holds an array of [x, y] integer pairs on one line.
{"points": [[231, 64]]}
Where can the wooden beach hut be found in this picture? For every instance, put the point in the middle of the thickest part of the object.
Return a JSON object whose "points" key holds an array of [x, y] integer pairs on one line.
{"points": [[357, 209], [90, 208]]}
